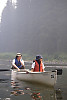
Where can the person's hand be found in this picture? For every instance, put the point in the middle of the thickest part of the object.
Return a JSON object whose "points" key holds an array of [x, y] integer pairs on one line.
{"points": [[41, 60], [18, 69]]}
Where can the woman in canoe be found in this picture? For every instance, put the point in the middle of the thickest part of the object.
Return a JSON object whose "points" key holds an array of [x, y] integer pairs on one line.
{"points": [[18, 62], [38, 65]]}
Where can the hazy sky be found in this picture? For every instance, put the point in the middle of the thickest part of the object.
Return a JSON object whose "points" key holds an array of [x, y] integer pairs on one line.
{"points": [[3, 4]]}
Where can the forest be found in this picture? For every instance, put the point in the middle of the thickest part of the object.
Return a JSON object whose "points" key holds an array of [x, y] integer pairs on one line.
{"points": [[34, 27]]}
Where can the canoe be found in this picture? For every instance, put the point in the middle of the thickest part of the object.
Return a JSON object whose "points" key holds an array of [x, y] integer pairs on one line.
{"points": [[47, 77]]}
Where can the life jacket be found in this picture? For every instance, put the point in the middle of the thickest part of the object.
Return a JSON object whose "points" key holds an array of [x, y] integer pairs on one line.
{"points": [[38, 68], [17, 63]]}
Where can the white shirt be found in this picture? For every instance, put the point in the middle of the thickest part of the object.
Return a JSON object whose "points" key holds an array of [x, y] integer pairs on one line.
{"points": [[33, 65], [13, 62]]}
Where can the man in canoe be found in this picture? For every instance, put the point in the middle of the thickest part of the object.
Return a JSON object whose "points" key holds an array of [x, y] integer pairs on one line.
{"points": [[38, 65], [18, 62]]}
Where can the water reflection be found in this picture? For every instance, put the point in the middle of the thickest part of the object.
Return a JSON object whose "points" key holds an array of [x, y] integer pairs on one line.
{"points": [[36, 96], [23, 90], [4, 80], [59, 94], [36, 92]]}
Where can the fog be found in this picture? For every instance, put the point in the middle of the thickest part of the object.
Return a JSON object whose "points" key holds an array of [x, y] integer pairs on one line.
{"points": [[34, 26]]}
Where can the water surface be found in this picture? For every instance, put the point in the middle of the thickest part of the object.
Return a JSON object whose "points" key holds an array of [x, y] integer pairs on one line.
{"points": [[19, 90]]}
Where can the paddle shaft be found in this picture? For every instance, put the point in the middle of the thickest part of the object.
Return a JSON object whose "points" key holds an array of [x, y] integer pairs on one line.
{"points": [[4, 70]]}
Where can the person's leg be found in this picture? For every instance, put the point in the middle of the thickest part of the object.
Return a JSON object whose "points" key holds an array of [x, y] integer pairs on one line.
{"points": [[22, 67]]}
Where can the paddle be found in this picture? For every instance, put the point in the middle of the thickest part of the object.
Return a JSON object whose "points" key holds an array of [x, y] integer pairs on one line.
{"points": [[22, 70], [5, 70]]}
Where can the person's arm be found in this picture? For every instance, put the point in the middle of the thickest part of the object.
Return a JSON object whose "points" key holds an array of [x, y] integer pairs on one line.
{"points": [[22, 63], [43, 68], [32, 68], [13, 64]]}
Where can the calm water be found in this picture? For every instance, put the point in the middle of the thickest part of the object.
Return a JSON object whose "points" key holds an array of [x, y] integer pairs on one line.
{"points": [[18, 90]]}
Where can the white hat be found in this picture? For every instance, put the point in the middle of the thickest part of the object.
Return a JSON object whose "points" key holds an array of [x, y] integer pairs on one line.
{"points": [[18, 54]]}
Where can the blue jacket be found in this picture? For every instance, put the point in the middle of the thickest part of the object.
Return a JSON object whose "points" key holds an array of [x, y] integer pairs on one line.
{"points": [[18, 64]]}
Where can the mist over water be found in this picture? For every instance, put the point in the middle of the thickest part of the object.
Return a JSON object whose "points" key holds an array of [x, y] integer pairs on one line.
{"points": [[32, 27]]}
